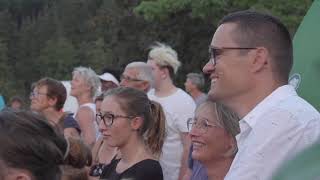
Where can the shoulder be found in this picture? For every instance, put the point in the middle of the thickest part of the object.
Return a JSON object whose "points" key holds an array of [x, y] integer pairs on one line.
{"points": [[83, 110], [148, 169], [109, 169]]}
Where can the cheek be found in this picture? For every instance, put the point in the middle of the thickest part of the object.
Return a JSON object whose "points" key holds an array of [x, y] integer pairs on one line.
{"points": [[217, 145], [120, 133]]}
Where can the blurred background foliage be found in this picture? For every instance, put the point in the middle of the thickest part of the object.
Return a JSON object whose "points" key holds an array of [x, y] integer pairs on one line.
{"points": [[41, 38]]}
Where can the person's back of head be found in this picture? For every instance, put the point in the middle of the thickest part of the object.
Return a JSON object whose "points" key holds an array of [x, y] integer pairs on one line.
{"points": [[79, 156], [36, 149], [31, 145], [254, 29], [197, 79], [55, 89]]}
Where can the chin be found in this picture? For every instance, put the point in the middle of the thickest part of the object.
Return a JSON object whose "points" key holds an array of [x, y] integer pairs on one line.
{"points": [[196, 155]]}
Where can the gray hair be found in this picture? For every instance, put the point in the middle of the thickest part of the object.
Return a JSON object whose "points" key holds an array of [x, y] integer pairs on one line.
{"points": [[228, 120], [90, 78], [144, 71], [196, 79], [164, 55]]}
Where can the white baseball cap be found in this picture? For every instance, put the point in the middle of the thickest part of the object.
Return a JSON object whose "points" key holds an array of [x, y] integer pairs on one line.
{"points": [[109, 77]]}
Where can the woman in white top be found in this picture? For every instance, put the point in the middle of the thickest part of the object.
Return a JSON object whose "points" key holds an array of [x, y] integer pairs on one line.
{"points": [[84, 86]]}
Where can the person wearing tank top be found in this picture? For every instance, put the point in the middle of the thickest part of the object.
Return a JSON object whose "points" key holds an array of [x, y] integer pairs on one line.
{"points": [[84, 86]]}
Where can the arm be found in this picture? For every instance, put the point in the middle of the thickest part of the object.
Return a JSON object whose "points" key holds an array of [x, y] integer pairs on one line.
{"points": [[184, 160], [85, 118]]}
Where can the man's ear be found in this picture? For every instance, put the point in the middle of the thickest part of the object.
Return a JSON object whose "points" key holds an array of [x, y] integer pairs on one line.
{"points": [[232, 147], [52, 101], [260, 59], [136, 123], [164, 72], [145, 85]]}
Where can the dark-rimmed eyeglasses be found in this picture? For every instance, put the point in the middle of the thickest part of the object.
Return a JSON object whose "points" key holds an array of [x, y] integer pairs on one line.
{"points": [[201, 124], [36, 94], [127, 78], [109, 118], [214, 52]]}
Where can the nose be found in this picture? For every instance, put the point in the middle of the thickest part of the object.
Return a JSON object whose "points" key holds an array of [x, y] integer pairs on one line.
{"points": [[102, 126], [208, 68], [194, 132]]}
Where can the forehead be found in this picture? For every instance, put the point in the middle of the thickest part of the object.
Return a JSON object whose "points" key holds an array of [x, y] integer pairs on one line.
{"points": [[207, 111], [42, 88], [77, 75], [189, 80], [131, 71], [110, 104], [223, 37]]}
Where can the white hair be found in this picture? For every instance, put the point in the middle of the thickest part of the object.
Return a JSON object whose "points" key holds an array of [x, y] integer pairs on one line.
{"points": [[144, 71], [164, 55], [90, 78]]}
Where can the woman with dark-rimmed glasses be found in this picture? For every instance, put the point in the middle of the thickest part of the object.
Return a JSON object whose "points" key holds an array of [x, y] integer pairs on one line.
{"points": [[212, 132], [136, 126]]}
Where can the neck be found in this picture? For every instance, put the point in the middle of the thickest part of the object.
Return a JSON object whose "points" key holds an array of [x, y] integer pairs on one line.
{"points": [[84, 98], [133, 152], [165, 88], [196, 93], [52, 115], [218, 169], [243, 104]]}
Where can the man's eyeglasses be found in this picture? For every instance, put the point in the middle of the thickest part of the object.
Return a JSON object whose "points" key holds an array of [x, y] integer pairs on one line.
{"points": [[214, 52], [36, 94], [109, 118], [201, 124], [127, 78]]}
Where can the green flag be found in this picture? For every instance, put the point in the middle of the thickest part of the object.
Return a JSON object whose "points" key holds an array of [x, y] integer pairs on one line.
{"points": [[306, 68], [305, 76], [305, 166]]}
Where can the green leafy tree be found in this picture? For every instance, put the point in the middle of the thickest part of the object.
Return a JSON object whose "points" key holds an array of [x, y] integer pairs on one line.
{"points": [[57, 59]]}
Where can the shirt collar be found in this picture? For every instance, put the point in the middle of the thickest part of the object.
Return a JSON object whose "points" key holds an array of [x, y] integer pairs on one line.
{"points": [[274, 98]]}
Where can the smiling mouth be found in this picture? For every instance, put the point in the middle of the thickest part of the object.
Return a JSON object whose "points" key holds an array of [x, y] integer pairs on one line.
{"points": [[197, 145]]}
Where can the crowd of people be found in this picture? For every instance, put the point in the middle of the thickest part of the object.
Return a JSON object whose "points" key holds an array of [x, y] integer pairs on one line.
{"points": [[141, 126]]}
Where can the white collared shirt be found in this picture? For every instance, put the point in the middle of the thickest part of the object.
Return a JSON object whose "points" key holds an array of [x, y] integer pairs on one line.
{"points": [[274, 131]]}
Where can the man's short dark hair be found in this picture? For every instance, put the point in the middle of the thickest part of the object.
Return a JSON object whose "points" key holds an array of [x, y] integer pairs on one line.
{"points": [[256, 29]]}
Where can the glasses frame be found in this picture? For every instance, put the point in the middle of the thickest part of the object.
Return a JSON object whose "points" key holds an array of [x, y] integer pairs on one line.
{"points": [[101, 117], [127, 78], [192, 123], [36, 94], [213, 52]]}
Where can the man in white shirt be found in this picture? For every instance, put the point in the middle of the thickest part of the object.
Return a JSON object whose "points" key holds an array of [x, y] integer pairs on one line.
{"points": [[178, 107], [249, 66]]}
